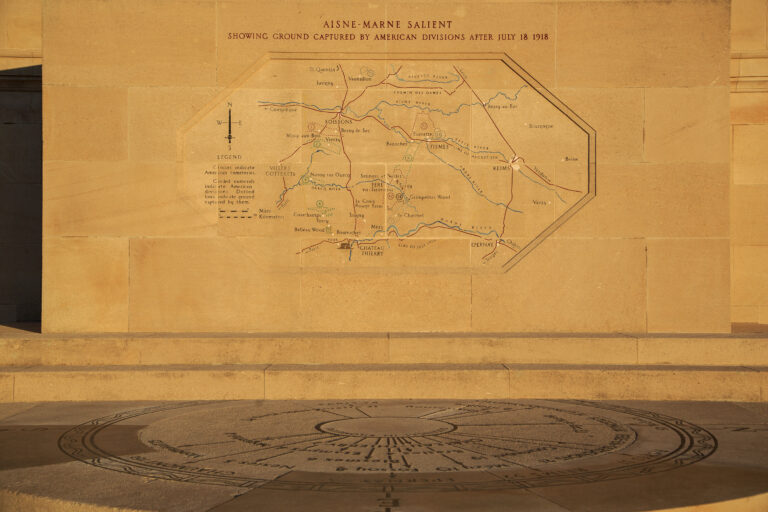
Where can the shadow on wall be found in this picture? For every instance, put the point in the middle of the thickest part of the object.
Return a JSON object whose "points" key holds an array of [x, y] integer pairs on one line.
{"points": [[21, 198]]}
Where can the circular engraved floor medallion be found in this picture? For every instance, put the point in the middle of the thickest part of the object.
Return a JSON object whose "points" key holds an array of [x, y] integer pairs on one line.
{"points": [[411, 445]]}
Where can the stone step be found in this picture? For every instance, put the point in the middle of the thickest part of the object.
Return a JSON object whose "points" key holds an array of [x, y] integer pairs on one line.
{"points": [[24, 348], [382, 381]]}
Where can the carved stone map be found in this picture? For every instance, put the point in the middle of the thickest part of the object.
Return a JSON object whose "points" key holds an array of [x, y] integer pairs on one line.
{"points": [[406, 446], [381, 160]]}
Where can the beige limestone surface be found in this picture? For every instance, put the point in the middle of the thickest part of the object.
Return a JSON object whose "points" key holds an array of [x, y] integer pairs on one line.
{"points": [[437, 176], [749, 102]]}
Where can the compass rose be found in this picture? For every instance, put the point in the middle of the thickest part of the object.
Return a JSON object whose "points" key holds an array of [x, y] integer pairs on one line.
{"points": [[229, 123]]}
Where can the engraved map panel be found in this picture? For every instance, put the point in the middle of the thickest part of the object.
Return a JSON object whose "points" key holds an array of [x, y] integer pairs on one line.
{"points": [[384, 160]]}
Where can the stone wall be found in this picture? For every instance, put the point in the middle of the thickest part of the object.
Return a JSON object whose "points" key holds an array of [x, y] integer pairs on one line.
{"points": [[749, 193], [648, 254]]}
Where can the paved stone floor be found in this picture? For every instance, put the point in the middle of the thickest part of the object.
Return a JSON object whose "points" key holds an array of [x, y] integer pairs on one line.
{"points": [[386, 456]]}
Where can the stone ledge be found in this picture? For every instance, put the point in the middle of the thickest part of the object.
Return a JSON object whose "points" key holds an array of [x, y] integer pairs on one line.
{"points": [[23, 348], [384, 381]]}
